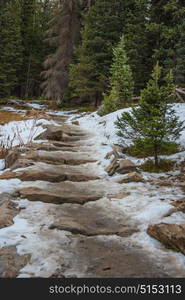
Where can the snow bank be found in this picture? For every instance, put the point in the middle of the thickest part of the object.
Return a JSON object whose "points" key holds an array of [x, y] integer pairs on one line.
{"points": [[105, 129], [21, 132]]}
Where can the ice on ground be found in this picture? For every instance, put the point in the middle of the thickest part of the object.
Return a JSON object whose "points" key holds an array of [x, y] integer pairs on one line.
{"points": [[2, 164], [30, 235], [63, 113], [9, 186], [12, 109], [36, 106]]}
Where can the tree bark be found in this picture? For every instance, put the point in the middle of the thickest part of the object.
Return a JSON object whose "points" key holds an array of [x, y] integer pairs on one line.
{"points": [[156, 159]]}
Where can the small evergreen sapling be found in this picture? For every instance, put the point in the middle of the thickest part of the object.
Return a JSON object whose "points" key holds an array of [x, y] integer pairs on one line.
{"points": [[154, 121], [121, 81]]}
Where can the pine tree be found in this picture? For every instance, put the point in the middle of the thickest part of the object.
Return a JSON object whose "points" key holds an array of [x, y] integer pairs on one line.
{"points": [[40, 50], [179, 69], [10, 47], [121, 81], [137, 44], [28, 26], [64, 27], [163, 30], [103, 27], [154, 121]]}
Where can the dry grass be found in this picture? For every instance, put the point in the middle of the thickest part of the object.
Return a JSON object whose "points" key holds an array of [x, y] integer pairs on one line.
{"points": [[6, 142], [7, 116]]}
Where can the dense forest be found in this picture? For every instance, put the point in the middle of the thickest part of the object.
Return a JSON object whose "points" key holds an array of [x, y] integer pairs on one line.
{"points": [[88, 51]]}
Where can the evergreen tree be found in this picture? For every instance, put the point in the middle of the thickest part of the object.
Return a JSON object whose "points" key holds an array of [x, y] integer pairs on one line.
{"points": [[137, 43], [103, 27], [28, 26], [163, 30], [64, 27], [34, 19], [44, 10], [10, 47], [121, 82], [180, 57], [154, 121]]}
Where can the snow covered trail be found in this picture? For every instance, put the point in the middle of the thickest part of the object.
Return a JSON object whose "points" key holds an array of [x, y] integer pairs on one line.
{"points": [[102, 238]]}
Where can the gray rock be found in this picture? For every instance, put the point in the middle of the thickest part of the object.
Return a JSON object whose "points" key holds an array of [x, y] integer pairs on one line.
{"points": [[121, 166]]}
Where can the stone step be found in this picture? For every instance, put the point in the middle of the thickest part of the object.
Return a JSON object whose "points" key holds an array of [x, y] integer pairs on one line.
{"points": [[52, 147], [91, 221], [61, 133], [52, 173], [60, 157], [70, 192], [66, 193]]}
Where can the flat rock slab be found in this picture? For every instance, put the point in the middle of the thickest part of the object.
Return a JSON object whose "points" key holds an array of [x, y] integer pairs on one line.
{"points": [[91, 221], [11, 263], [66, 192], [22, 163], [52, 147], [61, 133], [52, 173], [60, 157], [171, 235], [71, 192], [108, 257]]}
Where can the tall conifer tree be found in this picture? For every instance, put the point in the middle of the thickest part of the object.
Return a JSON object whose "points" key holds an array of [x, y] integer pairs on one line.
{"points": [[103, 27], [63, 29], [10, 47]]}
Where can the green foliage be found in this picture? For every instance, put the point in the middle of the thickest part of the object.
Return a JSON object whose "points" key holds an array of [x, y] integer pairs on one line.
{"points": [[22, 50], [35, 15], [164, 165], [154, 120], [143, 148], [153, 31], [163, 31], [10, 47], [137, 43], [121, 82], [61, 36], [110, 102], [103, 27], [180, 57]]}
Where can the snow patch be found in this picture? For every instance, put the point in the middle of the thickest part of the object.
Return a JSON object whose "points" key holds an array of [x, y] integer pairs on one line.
{"points": [[22, 132]]}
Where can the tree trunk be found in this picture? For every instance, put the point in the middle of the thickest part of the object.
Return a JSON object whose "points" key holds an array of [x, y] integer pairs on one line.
{"points": [[156, 159]]}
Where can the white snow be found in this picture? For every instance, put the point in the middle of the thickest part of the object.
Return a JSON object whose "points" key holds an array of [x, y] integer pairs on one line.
{"points": [[21, 132], [12, 109], [63, 112], [36, 106], [9, 186], [30, 234], [2, 164]]}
